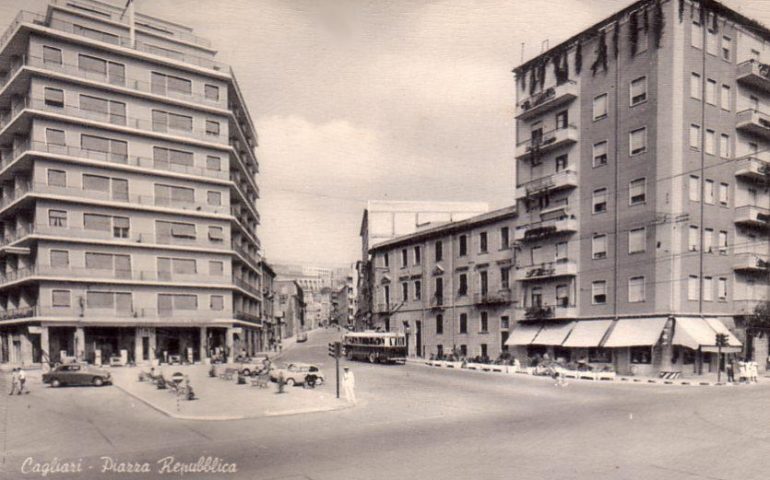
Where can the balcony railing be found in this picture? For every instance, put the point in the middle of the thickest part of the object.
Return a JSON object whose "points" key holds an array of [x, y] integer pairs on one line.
{"points": [[753, 215], [754, 122], [553, 182], [755, 74], [134, 315], [747, 306], [559, 268], [752, 262], [18, 312], [547, 141], [544, 101], [90, 273], [754, 167], [247, 286], [247, 317], [546, 228], [547, 312], [437, 301], [502, 296]]}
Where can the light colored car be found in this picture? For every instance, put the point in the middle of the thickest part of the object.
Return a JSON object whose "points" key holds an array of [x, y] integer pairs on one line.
{"points": [[301, 337], [77, 374], [295, 373], [251, 366]]}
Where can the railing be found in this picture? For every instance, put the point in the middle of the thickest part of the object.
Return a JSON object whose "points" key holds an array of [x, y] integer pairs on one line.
{"points": [[11, 196], [80, 273], [118, 120], [538, 312], [248, 286], [551, 93], [546, 138], [752, 261], [12, 236], [22, 17], [501, 296], [20, 312], [560, 267], [437, 301], [247, 317], [752, 213], [747, 306], [755, 164], [253, 258], [554, 180], [754, 67], [133, 314]]}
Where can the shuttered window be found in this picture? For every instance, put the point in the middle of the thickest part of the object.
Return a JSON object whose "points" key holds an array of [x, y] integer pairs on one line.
{"points": [[217, 303], [60, 258], [60, 298], [93, 221]]}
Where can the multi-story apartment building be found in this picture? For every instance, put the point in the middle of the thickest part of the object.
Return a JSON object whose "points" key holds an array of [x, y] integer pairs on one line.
{"points": [[448, 287], [271, 328], [642, 165], [128, 218], [290, 308]]}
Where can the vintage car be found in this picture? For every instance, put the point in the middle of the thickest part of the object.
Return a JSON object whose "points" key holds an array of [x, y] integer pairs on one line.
{"points": [[295, 373], [252, 365], [301, 337], [77, 374]]}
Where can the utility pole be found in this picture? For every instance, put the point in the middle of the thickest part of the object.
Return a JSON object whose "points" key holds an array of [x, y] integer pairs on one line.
{"points": [[335, 350]]}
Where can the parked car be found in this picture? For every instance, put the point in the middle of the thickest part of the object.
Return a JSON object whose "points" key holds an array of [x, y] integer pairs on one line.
{"points": [[295, 373], [250, 366], [77, 374], [301, 337]]}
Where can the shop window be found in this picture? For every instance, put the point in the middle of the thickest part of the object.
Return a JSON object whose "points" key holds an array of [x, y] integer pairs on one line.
{"points": [[600, 355], [641, 355]]}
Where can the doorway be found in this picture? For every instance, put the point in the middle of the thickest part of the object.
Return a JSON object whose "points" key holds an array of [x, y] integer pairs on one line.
{"points": [[418, 337]]}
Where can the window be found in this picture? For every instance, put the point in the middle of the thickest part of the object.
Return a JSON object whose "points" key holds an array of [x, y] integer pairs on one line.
{"points": [[637, 191], [694, 188], [722, 242], [600, 106], [711, 92], [216, 234], [599, 200], [110, 109], [599, 292], [404, 257], [404, 291], [114, 72], [708, 289], [109, 300], [562, 296], [463, 323], [57, 178], [727, 48], [51, 55], [710, 142], [417, 255], [57, 218], [116, 150], [463, 245], [505, 322], [439, 324], [163, 121], [60, 298], [505, 278], [439, 288], [695, 137], [212, 128], [463, 288], [638, 141], [724, 192], [708, 240], [725, 97], [636, 240], [599, 246], [94, 221], [484, 282], [711, 42], [722, 289], [724, 146], [638, 91], [96, 183], [385, 260], [162, 84], [484, 323], [216, 267], [213, 163], [695, 86], [60, 258], [217, 303], [120, 227], [692, 238], [214, 198], [537, 297], [54, 97], [417, 290], [386, 294], [439, 251], [561, 162], [166, 158], [708, 193], [96, 34], [692, 287], [696, 34], [169, 302], [600, 154], [641, 355], [54, 137], [561, 251], [211, 92], [173, 195], [562, 120], [504, 237], [483, 242], [636, 289]]}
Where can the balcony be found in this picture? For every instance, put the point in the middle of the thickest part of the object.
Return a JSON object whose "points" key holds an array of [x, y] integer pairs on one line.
{"points": [[559, 268], [71, 273], [550, 183], [502, 296], [545, 228], [549, 141], [754, 74], [247, 286], [753, 216], [746, 306], [546, 100], [247, 317], [754, 122], [437, 301], [548, 312], [752, 262], [754, 168]]}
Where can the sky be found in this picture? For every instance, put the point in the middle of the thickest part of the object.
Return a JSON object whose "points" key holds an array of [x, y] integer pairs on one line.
{"points": [[358, 100]]}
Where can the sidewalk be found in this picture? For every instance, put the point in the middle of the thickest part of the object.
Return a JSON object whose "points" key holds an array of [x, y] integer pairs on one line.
{"points": [[224, 399]]}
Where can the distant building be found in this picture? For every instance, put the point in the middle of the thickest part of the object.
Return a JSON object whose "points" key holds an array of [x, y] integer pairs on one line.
{"points": [[271, 330], [290, 308], [448, 287]]}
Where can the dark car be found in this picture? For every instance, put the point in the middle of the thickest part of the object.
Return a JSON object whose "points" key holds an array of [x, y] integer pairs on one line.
{"points": [[77, 374]]}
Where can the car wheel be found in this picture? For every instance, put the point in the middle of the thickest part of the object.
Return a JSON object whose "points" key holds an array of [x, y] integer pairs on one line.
{"points": [[55, 383], [246, 372], [290, 382], [372, 358], [98, 381]]}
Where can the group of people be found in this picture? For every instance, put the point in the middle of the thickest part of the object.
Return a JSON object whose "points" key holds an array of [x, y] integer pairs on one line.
{"points": [[18, 379], [746, 371]]}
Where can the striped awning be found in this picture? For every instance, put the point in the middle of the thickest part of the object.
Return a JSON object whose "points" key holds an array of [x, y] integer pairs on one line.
{"points": [[553, 334], [636, 332], [720, 327], [692, 332], [587, 333], [523, 335]]}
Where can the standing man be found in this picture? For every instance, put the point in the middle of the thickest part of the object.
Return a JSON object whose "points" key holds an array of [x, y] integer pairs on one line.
{"points": [[349, 384], [22, 380], [14, 380]]}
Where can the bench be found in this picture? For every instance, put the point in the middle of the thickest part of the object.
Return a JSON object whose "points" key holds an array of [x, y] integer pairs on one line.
{"points": [[228, 374]]}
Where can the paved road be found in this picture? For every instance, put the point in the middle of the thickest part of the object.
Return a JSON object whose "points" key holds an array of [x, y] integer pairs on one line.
{"points": [[418, 422]]}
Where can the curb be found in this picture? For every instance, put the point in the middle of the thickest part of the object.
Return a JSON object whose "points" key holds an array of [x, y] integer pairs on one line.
{"points": [[301, 411]]}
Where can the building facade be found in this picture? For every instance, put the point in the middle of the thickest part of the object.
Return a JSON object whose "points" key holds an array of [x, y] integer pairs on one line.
{"points": [[128, 173], [642, 173], [271, 329], [290, 308], [450, 287]]}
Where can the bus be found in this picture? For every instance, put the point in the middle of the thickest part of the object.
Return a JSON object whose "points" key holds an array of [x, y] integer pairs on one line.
{"points": [[375, 346]]}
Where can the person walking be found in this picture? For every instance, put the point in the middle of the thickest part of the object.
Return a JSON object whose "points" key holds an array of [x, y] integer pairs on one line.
{"points": [[22, 380], [14, 380], [349, 385], [730, 367]]}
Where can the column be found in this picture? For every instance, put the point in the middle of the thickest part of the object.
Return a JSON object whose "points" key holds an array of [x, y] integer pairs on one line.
{"points": [[204, 348], [138, 349], [45, 347], [153, 346], [80, 343], [229, 343]]}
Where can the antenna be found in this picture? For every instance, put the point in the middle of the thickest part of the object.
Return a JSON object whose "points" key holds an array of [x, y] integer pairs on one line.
{"points": [[544, 46]]}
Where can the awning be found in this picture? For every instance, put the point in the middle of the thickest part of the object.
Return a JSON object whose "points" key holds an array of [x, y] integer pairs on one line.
{"points": [[720, 327], [636, 332], [553, 334], [693, 332], [587, 333], [522, 335]]}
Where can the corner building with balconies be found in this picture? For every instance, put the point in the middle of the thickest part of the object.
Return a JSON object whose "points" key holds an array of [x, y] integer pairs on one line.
{"points": [[128, 218], [642, 189]]}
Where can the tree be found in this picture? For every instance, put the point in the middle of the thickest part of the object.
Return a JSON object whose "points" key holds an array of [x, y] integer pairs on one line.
{"points": [[758, 323]]}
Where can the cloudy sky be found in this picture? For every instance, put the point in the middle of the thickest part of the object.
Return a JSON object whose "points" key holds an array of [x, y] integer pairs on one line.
{"points": [[376, 99]]}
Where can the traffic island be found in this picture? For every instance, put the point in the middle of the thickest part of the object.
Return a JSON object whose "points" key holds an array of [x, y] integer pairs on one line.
{"points": [[225, 399]]}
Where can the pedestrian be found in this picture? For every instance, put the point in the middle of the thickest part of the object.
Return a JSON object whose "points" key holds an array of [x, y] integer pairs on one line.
{"points": [[349, 384], [22, 380], [753, 371], [14, 380], [730, 367]]}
